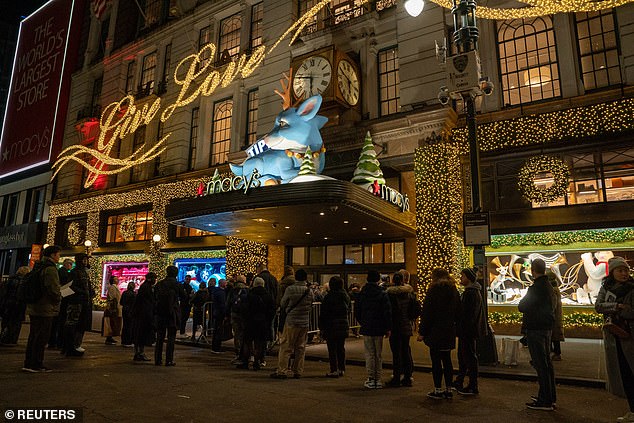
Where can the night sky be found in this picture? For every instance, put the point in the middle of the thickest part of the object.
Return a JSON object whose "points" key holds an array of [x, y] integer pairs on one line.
{"points": [[14, 10]]}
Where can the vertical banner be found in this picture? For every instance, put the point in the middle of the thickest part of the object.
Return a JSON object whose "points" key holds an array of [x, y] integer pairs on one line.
{"points": [[35, 116], [36, 254]]}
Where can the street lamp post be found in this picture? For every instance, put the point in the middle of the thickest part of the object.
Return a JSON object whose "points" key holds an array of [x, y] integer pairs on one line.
{"points": [[465, 82]]}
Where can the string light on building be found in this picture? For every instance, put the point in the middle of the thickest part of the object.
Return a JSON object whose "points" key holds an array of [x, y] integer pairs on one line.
{"points": [[594, 236], [533, 169]]}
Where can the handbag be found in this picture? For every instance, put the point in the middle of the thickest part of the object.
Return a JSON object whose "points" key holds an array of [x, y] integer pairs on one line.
{"points": [[284, 312], [617, 327]]}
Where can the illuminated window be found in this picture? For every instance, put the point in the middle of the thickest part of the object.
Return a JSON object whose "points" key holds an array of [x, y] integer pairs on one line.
{"points": [[598, 49], [221, 133], [140, 228], [147, 73], [389, 96], [373, 253], [230, 35], [257, 14], [204, 38], [528, 60], [129, 78], [10, 209], [185, 232], [618, 172], [35, 202], [136, 172], [252, 117], [193, 139]]}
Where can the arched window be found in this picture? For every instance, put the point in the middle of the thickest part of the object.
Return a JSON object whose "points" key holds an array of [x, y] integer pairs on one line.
{"points": [[528, 60], [230, 35], [221, 135]]}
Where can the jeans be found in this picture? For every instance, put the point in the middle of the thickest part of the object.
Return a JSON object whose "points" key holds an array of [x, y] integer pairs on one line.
{"points": [[467, 362], [441, 366], [373, 362], [401, 357], [39, 334], [237, 324], [294, 343], [539, 347], [337, 353]]}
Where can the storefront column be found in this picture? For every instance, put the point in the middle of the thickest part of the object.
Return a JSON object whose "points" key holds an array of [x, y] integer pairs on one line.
{"points": [[438, 208], [275, 260]]}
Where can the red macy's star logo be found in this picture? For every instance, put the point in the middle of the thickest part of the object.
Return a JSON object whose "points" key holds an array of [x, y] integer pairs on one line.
{"points": [[201, 188], [376, 188]]}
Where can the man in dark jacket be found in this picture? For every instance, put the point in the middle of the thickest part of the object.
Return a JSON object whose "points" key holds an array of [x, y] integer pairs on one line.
{"points": [[41, 313], [56, 339], [471, 327], [186, 307], [538, 320], [168, 292], [79, 308], [402, 301], [374, 314], [272, 287]]}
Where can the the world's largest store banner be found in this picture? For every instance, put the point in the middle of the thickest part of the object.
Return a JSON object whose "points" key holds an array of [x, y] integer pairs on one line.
{"points": [[33, 124]]}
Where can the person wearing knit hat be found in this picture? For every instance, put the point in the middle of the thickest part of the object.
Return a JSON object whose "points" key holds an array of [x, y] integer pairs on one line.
{"points": [[374, 314], [471, 326], [616, 302]]}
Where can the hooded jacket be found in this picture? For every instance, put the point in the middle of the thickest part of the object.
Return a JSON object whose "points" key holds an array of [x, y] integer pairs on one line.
{"points": [[400, 298], [373, 310], [473, 323], [48, 305]]}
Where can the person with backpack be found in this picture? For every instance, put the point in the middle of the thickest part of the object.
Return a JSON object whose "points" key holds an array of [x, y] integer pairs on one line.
{"points": [[405, 309], [12, 310], [236, 309], [471, 327], [41, 292], [168, 293], [258, 311]]}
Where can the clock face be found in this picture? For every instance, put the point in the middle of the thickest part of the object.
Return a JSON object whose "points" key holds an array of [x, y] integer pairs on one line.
{"points": [[348, 82], [312, 77]]}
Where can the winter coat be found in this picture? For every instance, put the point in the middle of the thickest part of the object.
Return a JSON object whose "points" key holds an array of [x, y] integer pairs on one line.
{"points": [[400, 298], [333, 317], [10, 307], [270, 284], [200, 298], [48, 305], [168, 314], [373, 310], [114, 297], [440, 315], [143, 313], [624, 295], [239, 289], [127, 302], [558, 326], [284, 283], [473, 324], [219, 303], [537, 306], [299, 316], [260, 310], [83, 295], [189, 292]]}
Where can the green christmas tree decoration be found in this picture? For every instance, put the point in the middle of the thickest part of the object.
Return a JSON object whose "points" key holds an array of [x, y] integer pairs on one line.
{"points": [[308, 166], [368, 167]]}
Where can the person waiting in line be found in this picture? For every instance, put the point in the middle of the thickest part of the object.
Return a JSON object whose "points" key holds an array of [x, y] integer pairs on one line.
{"points": [[143, 317], [557, 336], [78, 311], [287, 280], [12, 310], [471, 327], [113, 311], [218, 312], [41, 313], [333, 324], [56, 340], [258, 311], [296, 305], [168, 292], [440, 314], [405, 308], [538, 320], [272, 286], [374, 314], [198, 305], [186, 307], [127, 302], [236, 306], [616, 302]]}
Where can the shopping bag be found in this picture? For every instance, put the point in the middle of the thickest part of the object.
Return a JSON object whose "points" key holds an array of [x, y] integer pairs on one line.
{"points": [[106, 329], [510, 351]]}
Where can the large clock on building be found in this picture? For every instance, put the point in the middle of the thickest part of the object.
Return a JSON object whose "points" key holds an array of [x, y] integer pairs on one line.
{"points": [[333, 74]]}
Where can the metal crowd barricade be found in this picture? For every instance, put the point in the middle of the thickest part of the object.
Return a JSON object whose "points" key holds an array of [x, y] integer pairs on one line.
{"points": [[207, 332], [315, 311]]}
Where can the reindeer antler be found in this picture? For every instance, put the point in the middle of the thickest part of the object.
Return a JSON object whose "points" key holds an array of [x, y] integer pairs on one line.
{"points": [[287, 94]]}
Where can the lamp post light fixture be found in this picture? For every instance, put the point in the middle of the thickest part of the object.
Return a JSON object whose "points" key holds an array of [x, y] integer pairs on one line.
{"points": [[88, 245], [414, 7], [156, 238]]}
